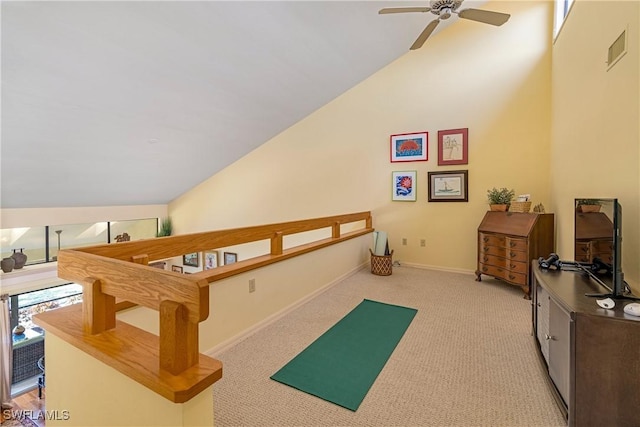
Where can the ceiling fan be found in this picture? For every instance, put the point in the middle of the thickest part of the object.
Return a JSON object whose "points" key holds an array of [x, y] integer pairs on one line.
{"points": [[443, 9]]}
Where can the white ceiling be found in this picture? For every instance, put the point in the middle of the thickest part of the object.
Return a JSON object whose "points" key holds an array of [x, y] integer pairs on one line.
{"points": [[132, 103]]}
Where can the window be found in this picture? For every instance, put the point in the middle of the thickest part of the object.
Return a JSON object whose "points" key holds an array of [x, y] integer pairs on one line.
{"points": [[562, 8], [41, 244], [28, 347], [25, 306]]}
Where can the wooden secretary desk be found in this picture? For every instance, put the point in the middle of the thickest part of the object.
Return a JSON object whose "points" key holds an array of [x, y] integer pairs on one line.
{"points": [[508, 241]]}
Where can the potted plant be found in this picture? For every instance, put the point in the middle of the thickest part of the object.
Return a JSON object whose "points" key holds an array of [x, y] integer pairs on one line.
{"points": [[500, 199], [166, 227], [588, 205]]}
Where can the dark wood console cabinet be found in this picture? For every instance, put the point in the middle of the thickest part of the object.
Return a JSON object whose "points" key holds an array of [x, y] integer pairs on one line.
{"points": [[592, 355], [508, 241]]}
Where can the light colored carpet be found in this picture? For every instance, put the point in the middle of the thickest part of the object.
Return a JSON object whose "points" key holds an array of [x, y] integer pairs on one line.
{"points": [[467, 359]]}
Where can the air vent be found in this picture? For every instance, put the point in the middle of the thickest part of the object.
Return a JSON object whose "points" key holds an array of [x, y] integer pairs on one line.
{"points": [[617, 50]]}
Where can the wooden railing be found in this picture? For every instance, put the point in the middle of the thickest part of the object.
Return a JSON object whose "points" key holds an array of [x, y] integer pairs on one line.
{"points": [[169, 364]]}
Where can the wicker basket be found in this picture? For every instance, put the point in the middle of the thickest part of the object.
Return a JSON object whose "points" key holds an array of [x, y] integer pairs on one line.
{"points": [[520, 207], [381, 265]]}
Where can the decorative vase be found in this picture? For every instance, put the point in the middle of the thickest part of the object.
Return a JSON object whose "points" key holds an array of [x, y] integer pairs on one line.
{"points": [[7, 264], [499, 208], [20, 259]]}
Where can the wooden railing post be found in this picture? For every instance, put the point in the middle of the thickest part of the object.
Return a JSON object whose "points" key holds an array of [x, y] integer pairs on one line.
{"points": [[140, 259], [276, 243], [98, 308], [178, 338], [335, 230]]}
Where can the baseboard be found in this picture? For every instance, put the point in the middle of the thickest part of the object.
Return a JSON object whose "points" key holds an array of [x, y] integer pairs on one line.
{"points": [[221, 347], [437, 268]]}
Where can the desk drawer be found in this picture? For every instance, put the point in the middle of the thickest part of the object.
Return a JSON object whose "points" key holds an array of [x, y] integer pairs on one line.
{"points": [[491, 240], [503, 273], [504, 263], [516, 244]]}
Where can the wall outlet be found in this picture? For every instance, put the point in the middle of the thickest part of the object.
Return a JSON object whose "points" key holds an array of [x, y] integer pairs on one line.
{"points": [[404, 241], [252, 285], [423, 242]]}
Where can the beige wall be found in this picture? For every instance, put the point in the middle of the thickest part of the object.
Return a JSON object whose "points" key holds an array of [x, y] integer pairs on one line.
{"points": [[595, 134], [493, 80]]}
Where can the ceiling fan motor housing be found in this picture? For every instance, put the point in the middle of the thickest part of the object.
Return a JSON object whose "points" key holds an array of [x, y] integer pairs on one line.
{"points": [[444, 8]]}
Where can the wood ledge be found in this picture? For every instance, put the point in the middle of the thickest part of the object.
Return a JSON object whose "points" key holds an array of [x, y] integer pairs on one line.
{"points": [[133, 352]]}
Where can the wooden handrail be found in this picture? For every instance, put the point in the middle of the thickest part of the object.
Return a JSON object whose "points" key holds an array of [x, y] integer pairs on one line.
{"points": [[171, 246], [106, 272]]}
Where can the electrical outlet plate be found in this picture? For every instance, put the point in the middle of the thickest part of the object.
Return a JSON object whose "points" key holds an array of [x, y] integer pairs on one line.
{"points": [[404, 241], [252, 285], [423, 242]]}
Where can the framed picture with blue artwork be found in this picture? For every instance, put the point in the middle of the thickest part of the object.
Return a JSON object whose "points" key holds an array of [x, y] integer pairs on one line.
{"points": [[410, 147], [404, 186]]}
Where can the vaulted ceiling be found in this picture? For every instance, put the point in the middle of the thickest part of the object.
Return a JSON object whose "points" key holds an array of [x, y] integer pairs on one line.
{"points": [[132, 103]]}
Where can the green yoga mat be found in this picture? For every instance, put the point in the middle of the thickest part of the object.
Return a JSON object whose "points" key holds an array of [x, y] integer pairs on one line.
{"points": [[342, 364]]}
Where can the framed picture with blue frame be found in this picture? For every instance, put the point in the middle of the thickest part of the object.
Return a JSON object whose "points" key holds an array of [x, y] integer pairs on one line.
{"points": [[409, 147], [404, 186]]}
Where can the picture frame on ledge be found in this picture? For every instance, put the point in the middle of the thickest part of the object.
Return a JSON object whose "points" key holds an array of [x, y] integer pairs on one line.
{"points": [[230, 258], [192, 259], [409, 147], [449, 186], [453, 147], [210, 259]]}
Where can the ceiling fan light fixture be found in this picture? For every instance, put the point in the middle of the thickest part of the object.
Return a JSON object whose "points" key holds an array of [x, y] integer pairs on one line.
{"points": [[444, 7]]}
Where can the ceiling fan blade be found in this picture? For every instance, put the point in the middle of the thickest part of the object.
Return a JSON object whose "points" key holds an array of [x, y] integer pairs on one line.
{"points": [[425, 34], [486, 16], [387, 10]]}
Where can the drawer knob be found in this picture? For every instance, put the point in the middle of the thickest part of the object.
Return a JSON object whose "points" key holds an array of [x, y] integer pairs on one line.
{"points": [[539, 305], [512, 244], [513, 266], [484, 268], [512, 277], [486, 258], [512, 254], [549, 337], [485, 239]]}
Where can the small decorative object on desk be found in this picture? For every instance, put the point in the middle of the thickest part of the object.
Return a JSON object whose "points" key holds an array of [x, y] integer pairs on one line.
{"points": [[499, 199], [539, 208], [522, 204], [18, 330], [20, 258]]}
